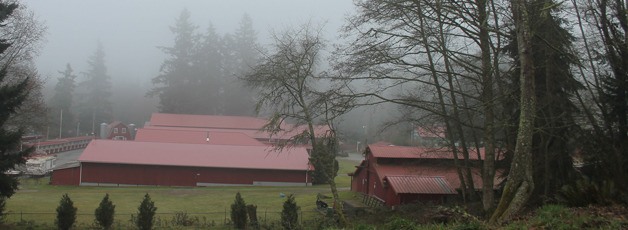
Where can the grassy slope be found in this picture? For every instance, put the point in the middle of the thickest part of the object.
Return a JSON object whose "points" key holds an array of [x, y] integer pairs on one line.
{"points": [[36, 196]]}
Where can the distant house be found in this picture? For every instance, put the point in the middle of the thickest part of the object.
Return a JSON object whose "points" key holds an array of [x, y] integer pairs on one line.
{"points": [[117, 131], [429, 136], [397, 175]]}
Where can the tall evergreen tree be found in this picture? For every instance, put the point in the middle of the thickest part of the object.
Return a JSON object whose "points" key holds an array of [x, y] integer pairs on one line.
{"points": [[95, 106], [62, 101], [208, 92], [606, 148], [174, 84], [244, 55], [12, 94], [554, 126]]}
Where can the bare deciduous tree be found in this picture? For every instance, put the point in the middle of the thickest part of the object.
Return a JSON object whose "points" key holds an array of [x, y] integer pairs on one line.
{"points": [[291, 90]]}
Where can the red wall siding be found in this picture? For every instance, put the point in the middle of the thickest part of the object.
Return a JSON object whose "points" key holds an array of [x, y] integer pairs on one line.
{"points": [[67, 176], [183, 176], [358, 181]]}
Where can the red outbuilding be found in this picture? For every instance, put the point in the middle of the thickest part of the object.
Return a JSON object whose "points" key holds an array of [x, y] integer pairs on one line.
{"points": [[396, 175]]}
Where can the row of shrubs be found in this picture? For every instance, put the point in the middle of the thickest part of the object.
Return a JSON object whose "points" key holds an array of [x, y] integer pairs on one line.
{"points": [[243, 216], [104, 213]]}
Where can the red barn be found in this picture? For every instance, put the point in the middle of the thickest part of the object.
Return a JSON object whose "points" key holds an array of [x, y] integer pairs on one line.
{"points": [[117, 131], [398, 175], [116, 163]]}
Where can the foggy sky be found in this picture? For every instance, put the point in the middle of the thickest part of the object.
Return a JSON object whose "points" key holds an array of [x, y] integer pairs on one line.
{"points": [[131, 31]]}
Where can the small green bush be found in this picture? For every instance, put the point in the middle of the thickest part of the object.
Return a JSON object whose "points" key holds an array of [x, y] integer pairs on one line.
{"points": [[146, 214], [471, 225], [364, 227], [238, 212], [586, 191], [66, 213], [183, 219], [555, 217], [290, 214], [400, 224], [251, 210], [3, 202], [105, 213]]}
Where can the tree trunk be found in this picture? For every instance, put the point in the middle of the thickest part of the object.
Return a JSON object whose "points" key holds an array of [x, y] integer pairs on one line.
{"points": [[520, 184], [488, 168], [468, 176], [448, 127]]}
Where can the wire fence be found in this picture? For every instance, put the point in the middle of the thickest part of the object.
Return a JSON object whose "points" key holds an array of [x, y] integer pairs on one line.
{"points": [[162, 220]]}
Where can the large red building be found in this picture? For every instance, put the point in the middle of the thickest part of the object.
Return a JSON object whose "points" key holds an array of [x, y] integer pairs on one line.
{"points": [[189, 150], [397, 175], [124, 163]]}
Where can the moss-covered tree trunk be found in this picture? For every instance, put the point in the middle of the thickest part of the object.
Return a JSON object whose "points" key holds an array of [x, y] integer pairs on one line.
{"points": [[488, 166], [520, 182]]}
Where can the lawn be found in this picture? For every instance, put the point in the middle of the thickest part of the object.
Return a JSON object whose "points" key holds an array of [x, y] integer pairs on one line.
{"points": [[37, 201]]}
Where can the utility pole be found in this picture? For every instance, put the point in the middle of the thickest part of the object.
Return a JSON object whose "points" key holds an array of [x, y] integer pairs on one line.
{"points": [[93, 122], [61, 124]]}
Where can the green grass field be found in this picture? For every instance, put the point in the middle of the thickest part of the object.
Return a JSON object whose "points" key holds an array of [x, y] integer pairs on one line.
{"points": [[36, 201]]}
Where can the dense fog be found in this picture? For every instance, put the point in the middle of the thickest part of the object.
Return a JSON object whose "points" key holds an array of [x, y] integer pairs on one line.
{"points": [[132, 32]]}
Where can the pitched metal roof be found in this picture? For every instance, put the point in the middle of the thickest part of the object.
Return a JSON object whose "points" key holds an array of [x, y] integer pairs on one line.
{"points": [[448, 172], [248, 125], [206, 121], [195, 137], [415, 152], [419, 184], [249, 132], [195, 155]]}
